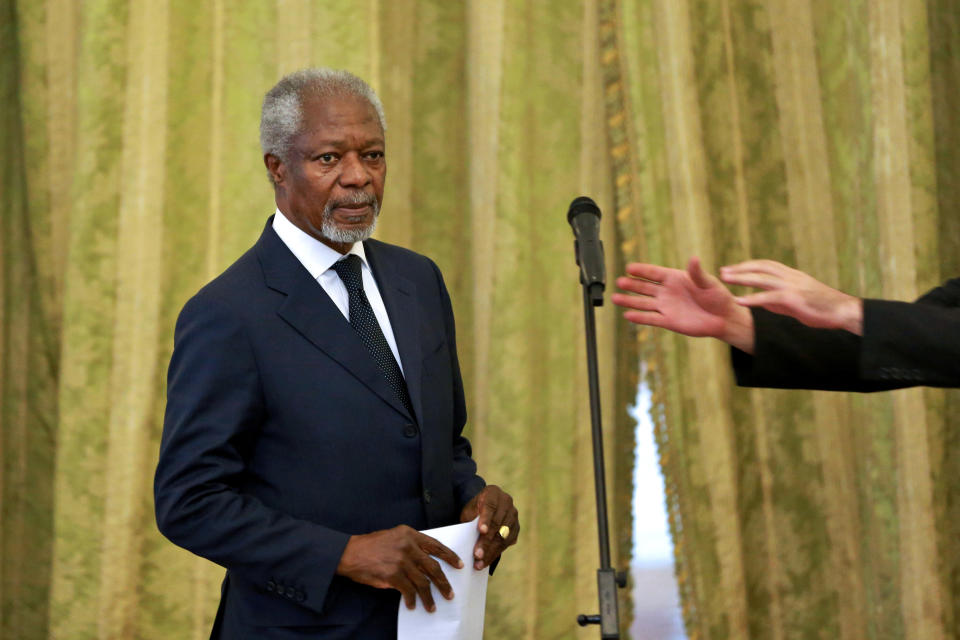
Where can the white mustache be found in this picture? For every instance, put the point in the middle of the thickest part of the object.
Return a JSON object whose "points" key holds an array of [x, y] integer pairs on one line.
{"points": [[355, 198]]}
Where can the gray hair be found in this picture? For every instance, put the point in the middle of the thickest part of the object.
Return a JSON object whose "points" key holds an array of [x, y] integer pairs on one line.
{"points": [[282, 115]]}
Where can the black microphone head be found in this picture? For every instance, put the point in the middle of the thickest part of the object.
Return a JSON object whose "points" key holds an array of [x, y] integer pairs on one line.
{"points": [[583, 204]]}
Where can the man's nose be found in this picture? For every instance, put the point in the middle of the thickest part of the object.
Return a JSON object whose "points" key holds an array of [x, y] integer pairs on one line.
{"points": [[354, 173]]}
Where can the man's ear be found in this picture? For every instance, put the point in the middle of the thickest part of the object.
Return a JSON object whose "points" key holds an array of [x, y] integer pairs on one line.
{"points": [[276, 168]]}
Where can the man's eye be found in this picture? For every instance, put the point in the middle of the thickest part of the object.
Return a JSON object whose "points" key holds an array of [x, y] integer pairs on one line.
{"points": [[375, 155], [326, 158]]}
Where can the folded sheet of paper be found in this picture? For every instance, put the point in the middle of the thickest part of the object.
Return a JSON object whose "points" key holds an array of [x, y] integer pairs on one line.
{"points": [[462, 617]]}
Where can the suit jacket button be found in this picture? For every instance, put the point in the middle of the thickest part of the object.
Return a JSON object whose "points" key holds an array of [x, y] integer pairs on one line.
{"points": [[271, 586], [409, 430], [427, 496], [290, 592], [301, 596]]}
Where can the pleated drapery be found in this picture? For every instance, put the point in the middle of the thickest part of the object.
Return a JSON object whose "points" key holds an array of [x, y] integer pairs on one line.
{"points": [[821, 134], [132, 175]]}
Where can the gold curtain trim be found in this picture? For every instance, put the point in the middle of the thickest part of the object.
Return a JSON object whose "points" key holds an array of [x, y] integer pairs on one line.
{"points": [[621, 139]]}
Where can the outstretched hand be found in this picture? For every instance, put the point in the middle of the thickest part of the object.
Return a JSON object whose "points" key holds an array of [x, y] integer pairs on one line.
{"points": [[691, 302], [494, 506], [794, 293]]}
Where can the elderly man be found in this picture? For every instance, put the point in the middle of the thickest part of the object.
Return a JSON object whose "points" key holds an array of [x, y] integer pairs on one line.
{"points": [[798, 333], [315, 405]]}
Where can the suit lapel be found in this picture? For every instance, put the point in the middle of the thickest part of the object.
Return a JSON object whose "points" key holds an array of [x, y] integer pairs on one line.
{"points": [[400, 298], [310, 311]]}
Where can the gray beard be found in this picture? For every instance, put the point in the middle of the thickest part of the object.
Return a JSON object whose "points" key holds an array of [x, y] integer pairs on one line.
{"points": [[333, 233]]}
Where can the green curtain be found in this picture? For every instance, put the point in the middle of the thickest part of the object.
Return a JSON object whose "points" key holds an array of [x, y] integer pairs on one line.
{"points": [[822, 134], [131, 175]]}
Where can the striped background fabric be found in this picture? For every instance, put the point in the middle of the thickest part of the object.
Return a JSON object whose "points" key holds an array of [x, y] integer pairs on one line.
{"points": [[821, 133], [132, 175]]}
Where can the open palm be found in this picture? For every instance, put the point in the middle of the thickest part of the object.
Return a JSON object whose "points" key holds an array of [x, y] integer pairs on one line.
{"points": [[689, 302]]}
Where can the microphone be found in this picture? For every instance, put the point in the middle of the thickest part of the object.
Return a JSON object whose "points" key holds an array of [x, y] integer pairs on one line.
{"points": [[584, 217]]}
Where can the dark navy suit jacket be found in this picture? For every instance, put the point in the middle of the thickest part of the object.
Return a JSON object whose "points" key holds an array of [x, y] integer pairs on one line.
{"points": [[904, 344], [282, 438]]}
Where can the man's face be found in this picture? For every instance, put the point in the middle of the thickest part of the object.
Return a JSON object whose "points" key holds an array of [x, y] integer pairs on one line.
{"points": [[331, 186]]}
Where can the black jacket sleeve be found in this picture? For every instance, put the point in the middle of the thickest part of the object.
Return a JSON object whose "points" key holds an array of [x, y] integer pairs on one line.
{"points": [[904, 344]]}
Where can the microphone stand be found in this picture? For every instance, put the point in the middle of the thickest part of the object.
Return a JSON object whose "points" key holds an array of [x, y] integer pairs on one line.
{"points": [[608, 580]]}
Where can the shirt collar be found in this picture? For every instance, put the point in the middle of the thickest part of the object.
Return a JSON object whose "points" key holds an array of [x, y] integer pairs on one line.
{"points": [[315, 256]]}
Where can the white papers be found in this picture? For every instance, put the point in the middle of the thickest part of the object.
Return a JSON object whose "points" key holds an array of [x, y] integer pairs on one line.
{"points": [[462, 617]]}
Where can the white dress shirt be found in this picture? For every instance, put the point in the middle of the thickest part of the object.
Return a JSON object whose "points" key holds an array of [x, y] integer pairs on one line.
{"points": [[317, 258]]}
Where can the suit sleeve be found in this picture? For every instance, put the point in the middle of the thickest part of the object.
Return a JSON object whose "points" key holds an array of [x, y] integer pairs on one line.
{"points": [[913, 343], [904, 344], [214, 409], [466, 482]]}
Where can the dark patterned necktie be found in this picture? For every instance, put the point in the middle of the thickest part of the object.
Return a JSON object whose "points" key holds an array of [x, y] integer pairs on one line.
{"points": [[364, 321]]}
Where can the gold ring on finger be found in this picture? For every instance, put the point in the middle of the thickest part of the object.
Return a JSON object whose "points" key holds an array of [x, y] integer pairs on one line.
{"points": [[504, 532]]}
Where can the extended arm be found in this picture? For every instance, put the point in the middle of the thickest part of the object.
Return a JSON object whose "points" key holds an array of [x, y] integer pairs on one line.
{"points": [[800, 333], [902, 344]]}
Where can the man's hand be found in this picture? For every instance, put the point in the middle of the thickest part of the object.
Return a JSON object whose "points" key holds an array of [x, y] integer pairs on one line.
{"points": [[399, 558], [794, 293], [495, 508], [691, 302]]}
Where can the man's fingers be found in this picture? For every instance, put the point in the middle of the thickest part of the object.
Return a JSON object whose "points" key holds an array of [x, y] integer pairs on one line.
{"points": [[502, 517], [652, 272], [510, 518], [422, 585], [701, 279], [514, 532], [488, 542], [770, 267], [421, 570], [643, 287], [489, 549], [649, 318], [480, 499], [490, 546], [400, 558], [765, 299], [487, 506], [434, 572], [437, 549], [407, 590], [754, 279], [469, 511], [641, 303]]}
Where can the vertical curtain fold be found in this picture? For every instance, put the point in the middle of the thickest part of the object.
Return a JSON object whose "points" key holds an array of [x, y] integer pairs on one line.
{"points": [[817, 133]]}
